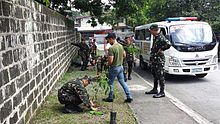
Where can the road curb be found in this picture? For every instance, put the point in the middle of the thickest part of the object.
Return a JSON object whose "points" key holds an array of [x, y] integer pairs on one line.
{"points": [[190, 112], [133, 113]]}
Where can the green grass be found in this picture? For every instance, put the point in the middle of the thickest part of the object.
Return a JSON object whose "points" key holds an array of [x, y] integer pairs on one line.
{"points": [[50, 112]]}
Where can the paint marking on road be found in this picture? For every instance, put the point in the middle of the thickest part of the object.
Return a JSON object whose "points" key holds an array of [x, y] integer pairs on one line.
{"points": [[196, 116], [137, 87]]}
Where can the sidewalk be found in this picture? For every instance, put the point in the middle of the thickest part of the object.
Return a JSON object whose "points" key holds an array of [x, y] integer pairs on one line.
{"points": [[154, 111]]}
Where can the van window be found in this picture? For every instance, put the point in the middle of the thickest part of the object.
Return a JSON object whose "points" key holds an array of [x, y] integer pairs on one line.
{"points": [[136, 34], [163, 31], [140, 34], [147, 34]]}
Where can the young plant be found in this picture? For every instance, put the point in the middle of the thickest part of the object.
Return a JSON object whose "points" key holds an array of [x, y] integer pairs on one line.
{"points": [[101, 85], [132, 49]]}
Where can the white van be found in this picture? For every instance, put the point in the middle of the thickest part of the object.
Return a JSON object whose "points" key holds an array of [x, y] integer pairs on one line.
{"points": [[194, 46], [101, 43]]}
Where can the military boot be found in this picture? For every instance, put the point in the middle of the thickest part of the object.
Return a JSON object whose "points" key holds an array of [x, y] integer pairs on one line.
{"points": [[161, 94], [72, 109], [154, 90]]}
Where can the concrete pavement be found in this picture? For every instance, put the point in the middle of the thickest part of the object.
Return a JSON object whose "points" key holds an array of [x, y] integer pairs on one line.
{"points": [[156, 111]]}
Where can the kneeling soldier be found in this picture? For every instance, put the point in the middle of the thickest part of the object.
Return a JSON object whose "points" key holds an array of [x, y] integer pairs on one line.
{"points": [[73, 93]]}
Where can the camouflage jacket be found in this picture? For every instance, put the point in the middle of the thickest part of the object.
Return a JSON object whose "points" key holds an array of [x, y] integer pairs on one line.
{"points": [[72, 90], [84, 50], [102, 63], [159, 42]]}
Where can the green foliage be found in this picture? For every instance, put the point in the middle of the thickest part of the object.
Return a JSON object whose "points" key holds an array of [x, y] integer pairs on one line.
{"points": [[94, 7], [138, 12], [101, 85], [47, 2], [44, 2], [132, 49]]}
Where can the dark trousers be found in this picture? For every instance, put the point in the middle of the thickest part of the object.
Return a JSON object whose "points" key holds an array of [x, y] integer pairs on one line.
{"points": [[130, 67], [85, 63]]}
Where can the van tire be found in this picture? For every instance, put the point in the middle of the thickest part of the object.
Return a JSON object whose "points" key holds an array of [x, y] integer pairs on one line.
{"points": [[201, 75]]}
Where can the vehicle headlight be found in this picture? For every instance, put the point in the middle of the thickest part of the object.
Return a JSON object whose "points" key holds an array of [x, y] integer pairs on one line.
{"points": [[173, 61], [215, 59]]}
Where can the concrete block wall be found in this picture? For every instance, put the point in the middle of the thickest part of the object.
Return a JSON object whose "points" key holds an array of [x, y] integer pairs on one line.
{"points": [[35, 51]]}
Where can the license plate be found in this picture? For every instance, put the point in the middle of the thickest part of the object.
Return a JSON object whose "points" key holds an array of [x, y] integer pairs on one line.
{"points": [[194, 70]]}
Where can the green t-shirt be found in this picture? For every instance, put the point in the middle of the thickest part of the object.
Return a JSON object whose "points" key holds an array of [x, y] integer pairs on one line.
{"points": [[117, 51]]}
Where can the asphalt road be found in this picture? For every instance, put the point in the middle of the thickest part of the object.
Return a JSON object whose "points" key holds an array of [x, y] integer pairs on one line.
{"points": [[200, 94]]}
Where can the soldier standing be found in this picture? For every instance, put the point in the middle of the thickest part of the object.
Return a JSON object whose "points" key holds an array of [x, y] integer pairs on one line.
{"points": [[160, 44], [93, 47], [125, 64], [74, 93], [129, 49], [84, 52]]}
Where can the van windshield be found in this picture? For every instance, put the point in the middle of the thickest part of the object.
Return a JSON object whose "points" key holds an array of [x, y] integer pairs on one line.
{"points": [[192, 35]]}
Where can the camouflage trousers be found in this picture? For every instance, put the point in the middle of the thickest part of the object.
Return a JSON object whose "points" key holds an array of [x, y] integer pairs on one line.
{"points": [[158, 74], [68, 98], [85, 60], [130, 67]]}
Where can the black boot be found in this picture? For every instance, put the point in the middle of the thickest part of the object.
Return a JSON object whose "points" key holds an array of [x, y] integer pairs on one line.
{"points": [[129, 78], [159, 95], [128, 100], [72, 109], [107, 99], [154, 90]]}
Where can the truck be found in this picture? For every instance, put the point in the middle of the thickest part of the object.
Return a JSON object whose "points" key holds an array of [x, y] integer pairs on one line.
{"points": [[193, 51]]}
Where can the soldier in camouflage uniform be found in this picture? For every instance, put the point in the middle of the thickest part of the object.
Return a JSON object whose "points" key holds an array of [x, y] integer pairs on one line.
{"points": [[125, 64], [160, 44], [84, 52], [73, 93], [93, 49], [101, 64], [129, 55]]}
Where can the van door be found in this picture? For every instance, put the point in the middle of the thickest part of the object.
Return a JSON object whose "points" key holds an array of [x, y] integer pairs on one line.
{"points": [[146, 46]]}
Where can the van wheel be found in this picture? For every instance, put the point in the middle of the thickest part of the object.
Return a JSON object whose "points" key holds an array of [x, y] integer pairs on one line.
{"points": [[142, 64], [201, 75]]}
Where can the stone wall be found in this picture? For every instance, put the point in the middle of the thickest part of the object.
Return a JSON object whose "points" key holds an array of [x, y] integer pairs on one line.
{"points": [[35, 51]]}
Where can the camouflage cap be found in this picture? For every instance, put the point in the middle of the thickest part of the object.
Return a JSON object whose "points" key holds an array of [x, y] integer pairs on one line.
{"points": [[154, 27]]}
